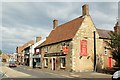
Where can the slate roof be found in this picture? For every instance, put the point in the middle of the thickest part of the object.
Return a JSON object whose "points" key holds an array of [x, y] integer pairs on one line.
{"points": [[103, 33]]}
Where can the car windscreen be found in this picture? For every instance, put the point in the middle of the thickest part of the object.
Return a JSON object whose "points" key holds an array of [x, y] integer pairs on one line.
{"points": [[12, 62]]}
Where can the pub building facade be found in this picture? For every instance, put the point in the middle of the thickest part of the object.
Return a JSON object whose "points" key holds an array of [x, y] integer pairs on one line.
{"points": [[72, 46]]}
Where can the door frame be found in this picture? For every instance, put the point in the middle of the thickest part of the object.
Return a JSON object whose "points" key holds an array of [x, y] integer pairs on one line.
{"points": [[53, 65]]}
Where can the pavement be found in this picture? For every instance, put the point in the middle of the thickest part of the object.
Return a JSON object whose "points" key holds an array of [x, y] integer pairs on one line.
{"points": [[13, 73], [8, 72]]}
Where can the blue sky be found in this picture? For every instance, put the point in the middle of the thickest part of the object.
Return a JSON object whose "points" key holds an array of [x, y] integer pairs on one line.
{"points": [[23, 21]]}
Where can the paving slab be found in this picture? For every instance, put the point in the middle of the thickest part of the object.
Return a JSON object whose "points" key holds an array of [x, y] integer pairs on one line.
{"points": [[12, 73]]}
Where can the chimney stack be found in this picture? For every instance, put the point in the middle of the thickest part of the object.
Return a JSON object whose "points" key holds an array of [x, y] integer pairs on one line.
{"points": [[55, 23], [85, 10], [38, 39]]}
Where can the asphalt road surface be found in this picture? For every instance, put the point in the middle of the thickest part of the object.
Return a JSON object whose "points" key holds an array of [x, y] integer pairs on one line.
{"points": [[37, 73]]}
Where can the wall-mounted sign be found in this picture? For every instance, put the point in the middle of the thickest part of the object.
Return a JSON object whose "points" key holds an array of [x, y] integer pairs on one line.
{"points": [[54, 54], [83, 48], [65, 49]]}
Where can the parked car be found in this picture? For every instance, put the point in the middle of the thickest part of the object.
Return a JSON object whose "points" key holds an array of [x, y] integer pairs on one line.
{"points": [[12, 64], [116, 75]]}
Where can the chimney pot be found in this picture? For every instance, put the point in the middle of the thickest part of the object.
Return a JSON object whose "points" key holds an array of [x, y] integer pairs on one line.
{"points": [[55, 23], [85, 10]]}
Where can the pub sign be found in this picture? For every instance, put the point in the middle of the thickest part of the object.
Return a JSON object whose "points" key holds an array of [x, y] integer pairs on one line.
{"points": [[83, 47]]}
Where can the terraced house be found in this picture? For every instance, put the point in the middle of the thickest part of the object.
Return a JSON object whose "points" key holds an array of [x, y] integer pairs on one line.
{"points": [[76, 46], [24, 53]]}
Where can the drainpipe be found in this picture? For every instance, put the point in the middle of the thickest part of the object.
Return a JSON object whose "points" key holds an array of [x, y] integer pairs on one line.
{"points": [[94, 51]]}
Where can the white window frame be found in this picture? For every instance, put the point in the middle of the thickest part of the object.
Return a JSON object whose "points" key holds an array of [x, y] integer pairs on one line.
{"points": [[61, 64], [46, 65], [53, 63], [105, 51]]}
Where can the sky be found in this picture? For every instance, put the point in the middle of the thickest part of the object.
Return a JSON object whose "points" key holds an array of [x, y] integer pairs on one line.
{"points": [[119, 11], [21, 22]]}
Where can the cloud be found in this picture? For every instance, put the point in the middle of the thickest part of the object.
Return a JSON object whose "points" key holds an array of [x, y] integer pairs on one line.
{"points": [[23, 21], [104, 14], [24, 13], [14, 37], [119, 12]]}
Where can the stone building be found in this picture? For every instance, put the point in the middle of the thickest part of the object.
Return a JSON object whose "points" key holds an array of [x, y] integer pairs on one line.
{"points": [[76, 46]]}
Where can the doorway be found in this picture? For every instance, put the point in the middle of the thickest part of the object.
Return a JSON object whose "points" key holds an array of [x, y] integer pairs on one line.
{"points": [[53, 64], [110, 62]]}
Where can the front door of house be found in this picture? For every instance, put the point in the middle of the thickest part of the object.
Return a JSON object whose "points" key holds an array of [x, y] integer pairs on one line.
{"points": [[53, 64], [110, 62]]}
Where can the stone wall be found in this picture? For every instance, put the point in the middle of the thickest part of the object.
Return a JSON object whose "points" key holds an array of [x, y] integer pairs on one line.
{"points": [[85, 32], [57, 48]]}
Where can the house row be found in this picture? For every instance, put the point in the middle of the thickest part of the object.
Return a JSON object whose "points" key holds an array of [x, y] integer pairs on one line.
{"points": [[25, 53], [4, 57], [76, 45]]}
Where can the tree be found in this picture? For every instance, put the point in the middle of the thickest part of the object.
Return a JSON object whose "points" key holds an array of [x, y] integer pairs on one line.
{"points": [[115, 47], [0, 52]]}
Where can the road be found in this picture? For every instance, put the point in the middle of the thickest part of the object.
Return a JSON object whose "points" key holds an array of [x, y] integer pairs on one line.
{"points": [[27, 73], [36, 73]]}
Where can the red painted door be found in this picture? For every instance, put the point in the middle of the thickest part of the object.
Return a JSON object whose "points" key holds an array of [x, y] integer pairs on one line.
{"points": [[110, 62]]}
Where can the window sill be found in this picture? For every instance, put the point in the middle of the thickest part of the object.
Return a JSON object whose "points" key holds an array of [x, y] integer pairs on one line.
{"points": [[45, 66], [62, 68]]}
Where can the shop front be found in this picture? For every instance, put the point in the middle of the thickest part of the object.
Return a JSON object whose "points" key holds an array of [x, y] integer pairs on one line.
{"points": [[36, 61], [55, 61]]}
